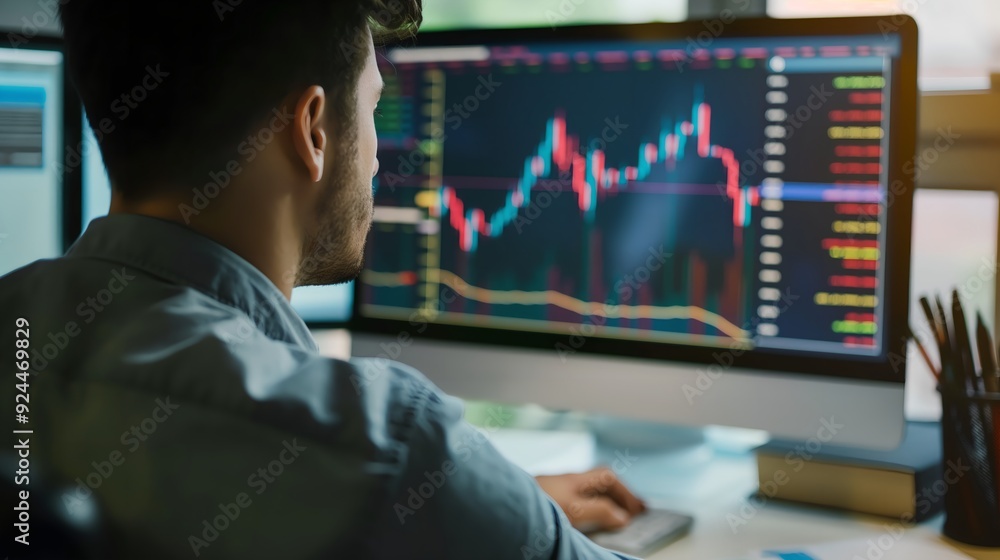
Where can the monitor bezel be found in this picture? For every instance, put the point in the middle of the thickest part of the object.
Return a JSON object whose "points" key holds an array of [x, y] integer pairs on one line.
{"points": [[889, 366]]}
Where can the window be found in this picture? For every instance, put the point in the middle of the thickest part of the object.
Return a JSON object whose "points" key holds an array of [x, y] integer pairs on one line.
{"points": [[959, 39], [444, 14]]}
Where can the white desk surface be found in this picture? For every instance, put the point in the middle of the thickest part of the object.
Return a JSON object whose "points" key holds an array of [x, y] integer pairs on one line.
{"points": [[775, 524], [714, 487]]}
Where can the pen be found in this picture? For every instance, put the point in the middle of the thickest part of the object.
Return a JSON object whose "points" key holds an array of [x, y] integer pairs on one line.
{"points": [[964, 364], [942, 321], [980, 421], [948, 373], [988, 362], [932, 321], [934, 324]]}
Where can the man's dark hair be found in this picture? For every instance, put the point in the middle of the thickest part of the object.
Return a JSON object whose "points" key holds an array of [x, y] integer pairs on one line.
{"points": [[172, 88]]}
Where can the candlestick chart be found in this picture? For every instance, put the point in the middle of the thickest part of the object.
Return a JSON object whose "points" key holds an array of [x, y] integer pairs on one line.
{"points": [[544, 195]]}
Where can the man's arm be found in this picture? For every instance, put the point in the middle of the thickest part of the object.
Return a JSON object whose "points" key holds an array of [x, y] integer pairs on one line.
{"points": [[457, 497]]}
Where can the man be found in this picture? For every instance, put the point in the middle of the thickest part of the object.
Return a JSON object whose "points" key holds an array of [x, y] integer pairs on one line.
{"points": [[176, 396]]}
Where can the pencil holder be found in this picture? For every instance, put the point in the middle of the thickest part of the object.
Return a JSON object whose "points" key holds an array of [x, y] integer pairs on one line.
{"points": [[970, 432]]}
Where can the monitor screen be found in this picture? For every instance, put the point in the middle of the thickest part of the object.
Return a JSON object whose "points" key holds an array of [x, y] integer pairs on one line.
{"points": [[617, 191], [317, 305], [31, 151], [321, 306]]}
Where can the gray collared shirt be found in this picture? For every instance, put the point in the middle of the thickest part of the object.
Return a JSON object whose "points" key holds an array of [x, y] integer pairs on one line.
{"points": [[179, 399]]}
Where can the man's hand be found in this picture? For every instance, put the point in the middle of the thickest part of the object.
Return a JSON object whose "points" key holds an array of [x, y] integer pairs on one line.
{"points": [[593, 501]]}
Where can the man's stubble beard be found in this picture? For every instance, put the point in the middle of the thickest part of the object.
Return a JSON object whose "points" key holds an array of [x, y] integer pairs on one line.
{"points": [[336, 253]]}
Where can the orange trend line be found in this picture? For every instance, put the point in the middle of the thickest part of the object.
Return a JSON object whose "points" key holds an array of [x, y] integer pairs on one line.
{"points": [[551, 297], [388, 279]]}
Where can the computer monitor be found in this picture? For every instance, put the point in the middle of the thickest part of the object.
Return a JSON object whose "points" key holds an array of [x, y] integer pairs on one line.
{"points": [[690, 223], [319, 306], [32, 146], [676, 222]]}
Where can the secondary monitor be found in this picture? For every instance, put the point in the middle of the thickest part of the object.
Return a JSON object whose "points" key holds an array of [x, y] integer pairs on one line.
{"points": [[32, 140], [664, 221]]}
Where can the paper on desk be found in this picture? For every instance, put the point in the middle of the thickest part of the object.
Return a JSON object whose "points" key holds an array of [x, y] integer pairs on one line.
{"points": [[542, 452], [883, 547]]}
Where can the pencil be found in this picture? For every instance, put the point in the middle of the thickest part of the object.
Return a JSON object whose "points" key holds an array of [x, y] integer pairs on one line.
{"points": [[963, 346], [932, 321], [948, 373], [988, 363]]}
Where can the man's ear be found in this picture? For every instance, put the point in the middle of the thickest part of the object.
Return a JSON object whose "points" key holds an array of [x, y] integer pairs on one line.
{"points": [[309, 130]]}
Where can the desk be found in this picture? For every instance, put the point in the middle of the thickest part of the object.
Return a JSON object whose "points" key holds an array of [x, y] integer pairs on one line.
{"points": [[710, 485], [775, 524], [714, 486]]}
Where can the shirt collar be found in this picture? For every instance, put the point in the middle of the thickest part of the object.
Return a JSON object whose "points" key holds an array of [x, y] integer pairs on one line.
{"points": [[183, 256]]}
